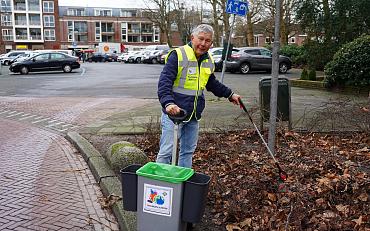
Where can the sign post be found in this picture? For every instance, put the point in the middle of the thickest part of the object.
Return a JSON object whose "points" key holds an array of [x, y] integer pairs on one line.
{"points": [[234, 7]]}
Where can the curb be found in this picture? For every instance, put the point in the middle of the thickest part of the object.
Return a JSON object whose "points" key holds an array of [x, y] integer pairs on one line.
{"points": [[104, 175]]}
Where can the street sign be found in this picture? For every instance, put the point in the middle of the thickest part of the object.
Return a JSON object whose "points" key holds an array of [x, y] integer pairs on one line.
{"points": [[238, 7]]}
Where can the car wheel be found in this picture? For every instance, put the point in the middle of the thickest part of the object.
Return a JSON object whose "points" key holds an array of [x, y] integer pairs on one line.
{"points": [[6, 62], [154, 61], [67, 68], [138, 60], [245, 68], [24, 70], [283, 68]]}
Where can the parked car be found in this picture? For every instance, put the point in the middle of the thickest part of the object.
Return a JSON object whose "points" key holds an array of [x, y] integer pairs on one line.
{"points": [[256, 59], [110, 57], [46, 61], [136, 57], [152, 56], [216, 53], [8, 57], [96, 57], [163, 56]]}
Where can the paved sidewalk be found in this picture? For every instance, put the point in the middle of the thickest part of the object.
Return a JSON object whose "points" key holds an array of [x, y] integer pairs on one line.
{"points": [[45, 184]]}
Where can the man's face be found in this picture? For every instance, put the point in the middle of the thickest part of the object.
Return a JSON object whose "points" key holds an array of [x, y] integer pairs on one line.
{"points": [[201, 43]]}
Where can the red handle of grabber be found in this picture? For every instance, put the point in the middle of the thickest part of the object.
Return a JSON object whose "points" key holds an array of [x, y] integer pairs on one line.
{"points": [[282, 174]]}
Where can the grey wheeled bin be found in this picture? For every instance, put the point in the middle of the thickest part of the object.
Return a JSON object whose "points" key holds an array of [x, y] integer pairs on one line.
{"points": [[160, 193]]}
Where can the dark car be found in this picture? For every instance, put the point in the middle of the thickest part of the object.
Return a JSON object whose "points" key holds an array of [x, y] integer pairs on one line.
{"points": [[216, 53], [52, 61], [96, 57], [255, 59], [154, 56], [110, 57]]}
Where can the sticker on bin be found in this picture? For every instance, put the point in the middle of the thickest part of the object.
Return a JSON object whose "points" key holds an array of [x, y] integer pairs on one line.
{"points": [[157, 200]]}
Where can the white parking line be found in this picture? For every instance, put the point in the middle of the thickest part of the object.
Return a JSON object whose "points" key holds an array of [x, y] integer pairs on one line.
{"points": [[38, 121], [27, 117], [52, 125], [3, 112], [83, 71], [19, 113]]}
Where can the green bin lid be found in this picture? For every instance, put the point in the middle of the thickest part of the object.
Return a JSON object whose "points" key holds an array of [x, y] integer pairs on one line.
{"points": [[165, 172]]}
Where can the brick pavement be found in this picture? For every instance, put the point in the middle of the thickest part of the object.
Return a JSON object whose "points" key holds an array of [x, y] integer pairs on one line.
{"points": [[45, 183]]}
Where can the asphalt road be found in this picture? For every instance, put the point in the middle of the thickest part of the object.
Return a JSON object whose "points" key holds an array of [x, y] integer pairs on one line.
{"points": [[107, 80]]}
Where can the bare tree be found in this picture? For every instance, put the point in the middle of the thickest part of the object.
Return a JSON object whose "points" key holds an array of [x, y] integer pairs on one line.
{"points": [[160, 14]]}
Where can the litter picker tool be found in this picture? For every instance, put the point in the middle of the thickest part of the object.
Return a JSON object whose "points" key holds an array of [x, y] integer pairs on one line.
{"points": [[282, 174], [176, 119]]}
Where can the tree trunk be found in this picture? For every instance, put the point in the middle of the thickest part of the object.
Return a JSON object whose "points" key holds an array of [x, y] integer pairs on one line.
{"points": [[327, 24], [215, 25], [250, 34], [283, 26]]}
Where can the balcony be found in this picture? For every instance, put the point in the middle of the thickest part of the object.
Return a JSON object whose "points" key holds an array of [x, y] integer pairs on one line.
{"points": [[35, 37], [21, 37], [20, 22], [147, 31], [35, 23], [34, 8], [6, 23], [133, 31], [7, 37], [20, 7]]}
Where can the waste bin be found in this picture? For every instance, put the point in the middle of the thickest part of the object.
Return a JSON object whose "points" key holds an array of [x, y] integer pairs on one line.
{"points": [[194, 199], [129, 187], [283, 100], [160, 193]]}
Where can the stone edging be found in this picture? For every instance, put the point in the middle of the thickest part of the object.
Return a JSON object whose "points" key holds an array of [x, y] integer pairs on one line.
{"points": [[104, 175]]}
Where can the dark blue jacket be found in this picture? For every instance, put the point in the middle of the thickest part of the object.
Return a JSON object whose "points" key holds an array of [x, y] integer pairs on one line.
{"points": [[167, 96]]}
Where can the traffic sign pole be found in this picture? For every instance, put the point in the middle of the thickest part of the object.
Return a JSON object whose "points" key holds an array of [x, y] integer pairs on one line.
{"points": [[227, 50]]}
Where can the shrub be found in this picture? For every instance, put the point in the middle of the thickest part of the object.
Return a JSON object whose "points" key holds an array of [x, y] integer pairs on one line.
{"points": [[318, 54], [296, 53], [304, 74], [350, 65], [312, 75]]}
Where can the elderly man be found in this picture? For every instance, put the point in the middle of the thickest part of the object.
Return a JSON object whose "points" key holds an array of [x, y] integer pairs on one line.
{"points": [[188, 71]]}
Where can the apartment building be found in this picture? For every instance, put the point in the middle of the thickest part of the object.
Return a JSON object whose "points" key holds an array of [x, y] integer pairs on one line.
{"points": [[28, 25], [86, 27]]}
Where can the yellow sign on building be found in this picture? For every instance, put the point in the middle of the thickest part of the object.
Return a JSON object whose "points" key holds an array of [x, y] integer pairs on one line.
{"points": [[21, 47]]}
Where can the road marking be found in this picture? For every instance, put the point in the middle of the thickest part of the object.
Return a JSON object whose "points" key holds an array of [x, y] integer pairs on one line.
{"points": [[27, 114], [27, 117], [19, 113], [83, 71], [38, 121], [52, 125], [3, 112]]}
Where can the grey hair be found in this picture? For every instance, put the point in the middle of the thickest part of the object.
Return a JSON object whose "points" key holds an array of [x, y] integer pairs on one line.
{"points": [[205, 28]]}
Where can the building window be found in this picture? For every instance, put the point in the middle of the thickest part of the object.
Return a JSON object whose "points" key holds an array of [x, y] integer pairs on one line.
{"points": [[5, 6], [49, 21], [256, 40], [70, 31], [147, 28], [128, 13], [80, 31], [34, 20], [20, 5], [124, 32], [97, 32], [101, 12], [20, 19], [21, 34], [49, 34], [268, 40], [6, 20], [48, 7], [107, 27], [75, 12], [156, 34], [134, 38], [147, 38], [291, 40], [107, 38], [35, 34], [7, 34], [133, 28], [33, 5]]}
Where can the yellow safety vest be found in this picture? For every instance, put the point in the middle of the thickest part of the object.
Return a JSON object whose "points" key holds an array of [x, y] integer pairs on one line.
{"points": [[191, 80]]}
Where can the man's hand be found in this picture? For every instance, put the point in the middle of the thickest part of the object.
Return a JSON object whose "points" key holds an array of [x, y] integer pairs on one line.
{"points": [[172, 109], [235, 99]]}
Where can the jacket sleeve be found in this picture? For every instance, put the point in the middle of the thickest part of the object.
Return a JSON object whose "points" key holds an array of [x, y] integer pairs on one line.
{"points": [[166, 80], [217, 88]]}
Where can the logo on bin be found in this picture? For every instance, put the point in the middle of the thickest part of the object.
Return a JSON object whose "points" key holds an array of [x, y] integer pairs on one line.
{"points": [[157, 200]]}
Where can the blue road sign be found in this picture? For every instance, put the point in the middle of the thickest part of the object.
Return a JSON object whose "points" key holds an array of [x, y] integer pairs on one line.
{"points": [[238, 7]]}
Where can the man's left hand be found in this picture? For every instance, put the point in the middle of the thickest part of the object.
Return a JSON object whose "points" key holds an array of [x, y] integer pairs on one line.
{"points": [[235, 99]]}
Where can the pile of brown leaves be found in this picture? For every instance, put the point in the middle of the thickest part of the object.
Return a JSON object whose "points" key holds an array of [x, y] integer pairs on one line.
{"points": [[327, 187]]}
